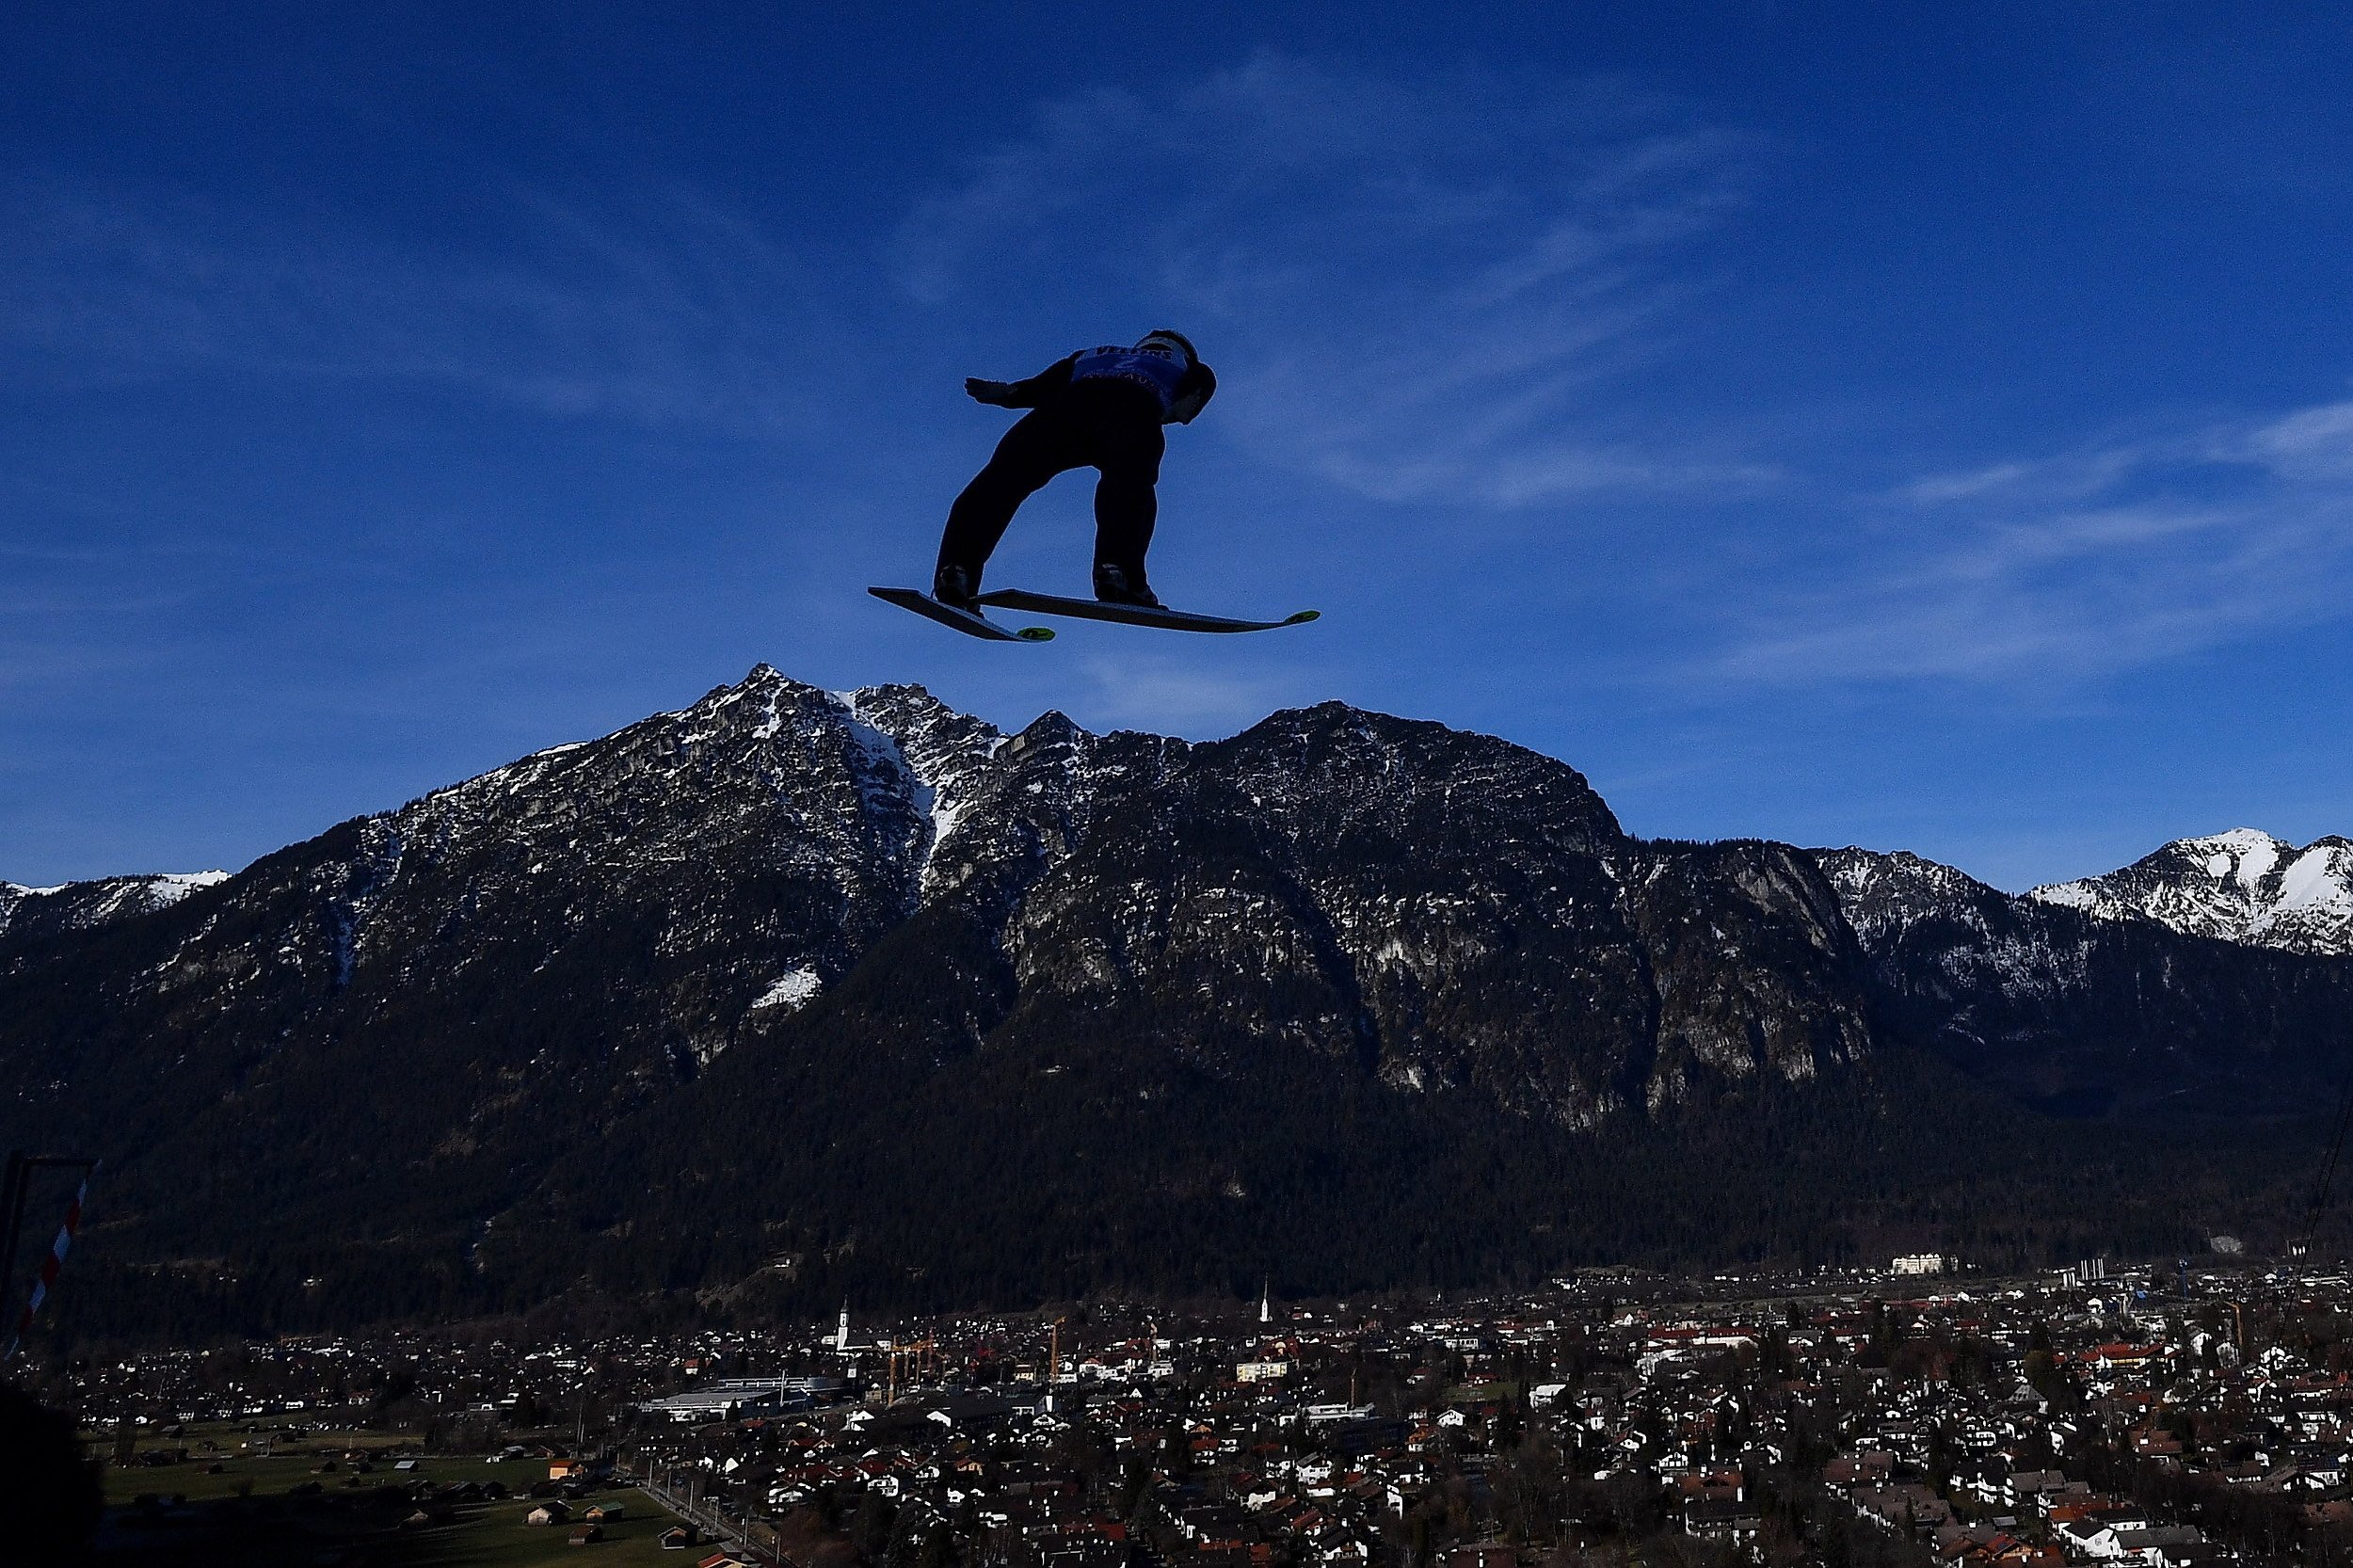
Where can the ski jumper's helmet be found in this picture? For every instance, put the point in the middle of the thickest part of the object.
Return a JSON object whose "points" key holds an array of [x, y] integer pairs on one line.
{"points": [[1164, 338]]}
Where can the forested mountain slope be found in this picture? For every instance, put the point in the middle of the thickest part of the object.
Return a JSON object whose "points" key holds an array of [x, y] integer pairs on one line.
{"points": [[791, 992]]}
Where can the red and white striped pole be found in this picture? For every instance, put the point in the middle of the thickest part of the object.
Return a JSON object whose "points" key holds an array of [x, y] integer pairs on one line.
{"points": [[49, 1267]]}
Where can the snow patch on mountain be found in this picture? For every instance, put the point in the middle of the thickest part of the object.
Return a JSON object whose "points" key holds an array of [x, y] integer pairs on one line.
{"points": [[84, 905], [953, 763], [793, 990]]}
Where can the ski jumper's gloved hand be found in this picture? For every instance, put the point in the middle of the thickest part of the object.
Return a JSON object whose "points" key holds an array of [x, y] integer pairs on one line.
{"points": [[996, 394]]}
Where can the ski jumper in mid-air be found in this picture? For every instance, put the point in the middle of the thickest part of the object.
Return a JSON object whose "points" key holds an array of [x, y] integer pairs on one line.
{"points": [[1101, 409]]}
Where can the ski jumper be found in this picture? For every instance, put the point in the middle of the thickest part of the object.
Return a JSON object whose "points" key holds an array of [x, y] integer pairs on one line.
{"points": [[1101, 409]]}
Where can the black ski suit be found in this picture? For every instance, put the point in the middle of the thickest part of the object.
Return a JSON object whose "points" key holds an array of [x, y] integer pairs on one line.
{"points": [[1107, 421]]}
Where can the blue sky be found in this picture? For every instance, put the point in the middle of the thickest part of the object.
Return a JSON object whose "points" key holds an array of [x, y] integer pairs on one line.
{"points": [[1809, 421]]}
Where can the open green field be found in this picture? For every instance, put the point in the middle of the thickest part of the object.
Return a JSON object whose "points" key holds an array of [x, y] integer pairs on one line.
{"points": [[278, 1474], [251, 1510], [495, 1537]]}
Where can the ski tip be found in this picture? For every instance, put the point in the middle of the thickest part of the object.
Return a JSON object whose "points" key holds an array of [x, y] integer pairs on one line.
{"points": [[1303, 618], [1035, 634]]}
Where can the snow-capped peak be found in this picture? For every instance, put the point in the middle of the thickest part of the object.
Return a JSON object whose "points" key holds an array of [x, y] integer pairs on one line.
{"points": [[2243, 886], [2243, 853]]}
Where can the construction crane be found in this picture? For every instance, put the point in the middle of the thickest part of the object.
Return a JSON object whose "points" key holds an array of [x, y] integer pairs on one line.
{"points": [[1053, 1361], [914, 1355]]}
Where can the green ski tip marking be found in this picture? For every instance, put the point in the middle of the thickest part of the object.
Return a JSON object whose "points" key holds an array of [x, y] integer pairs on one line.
{"points": [[1303, 618], [1045, 633]]}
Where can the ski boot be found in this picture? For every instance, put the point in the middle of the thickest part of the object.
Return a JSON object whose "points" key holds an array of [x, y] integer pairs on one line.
{"points": [[1114, 587], [957, 588]]}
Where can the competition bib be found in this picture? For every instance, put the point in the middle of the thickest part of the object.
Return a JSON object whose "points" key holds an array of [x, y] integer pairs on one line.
{"points": [[1161, 369]]}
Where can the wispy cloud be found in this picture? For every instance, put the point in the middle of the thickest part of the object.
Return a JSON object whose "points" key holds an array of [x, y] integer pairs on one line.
{"points": [[663, 310], [1418, 286], [2077, 566], [1171, 696], [2311, 444]]}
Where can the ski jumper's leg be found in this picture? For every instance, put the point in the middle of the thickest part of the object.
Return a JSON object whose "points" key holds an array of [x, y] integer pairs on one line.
{"points": [[1127, 441], [1040, 446]]}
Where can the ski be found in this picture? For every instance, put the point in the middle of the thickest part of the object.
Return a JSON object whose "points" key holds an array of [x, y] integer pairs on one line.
{"points": [[1132, 615], [971, 623]]}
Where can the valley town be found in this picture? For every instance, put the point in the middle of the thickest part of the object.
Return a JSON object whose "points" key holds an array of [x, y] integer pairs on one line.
{"points": [[2165, 1416]]}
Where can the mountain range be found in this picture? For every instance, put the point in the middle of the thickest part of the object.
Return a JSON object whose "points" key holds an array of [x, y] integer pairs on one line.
{"points": [[2242, 887], [793, 994]]}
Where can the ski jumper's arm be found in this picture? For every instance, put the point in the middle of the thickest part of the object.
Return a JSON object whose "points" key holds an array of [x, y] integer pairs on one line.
{"points": [[1193, 393], [1030, 394]]}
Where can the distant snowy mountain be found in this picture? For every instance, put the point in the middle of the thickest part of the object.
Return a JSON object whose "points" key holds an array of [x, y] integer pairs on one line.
{"points": [[86, 905], [2238, 887], [2077, 1012]]}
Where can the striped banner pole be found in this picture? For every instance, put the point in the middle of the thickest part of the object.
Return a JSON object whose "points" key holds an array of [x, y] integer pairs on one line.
{"points": [[49, 1267]]}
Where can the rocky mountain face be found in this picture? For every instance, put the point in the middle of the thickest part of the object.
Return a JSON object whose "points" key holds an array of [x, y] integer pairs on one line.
{"points": [[2240, 886], [792, 992]]}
